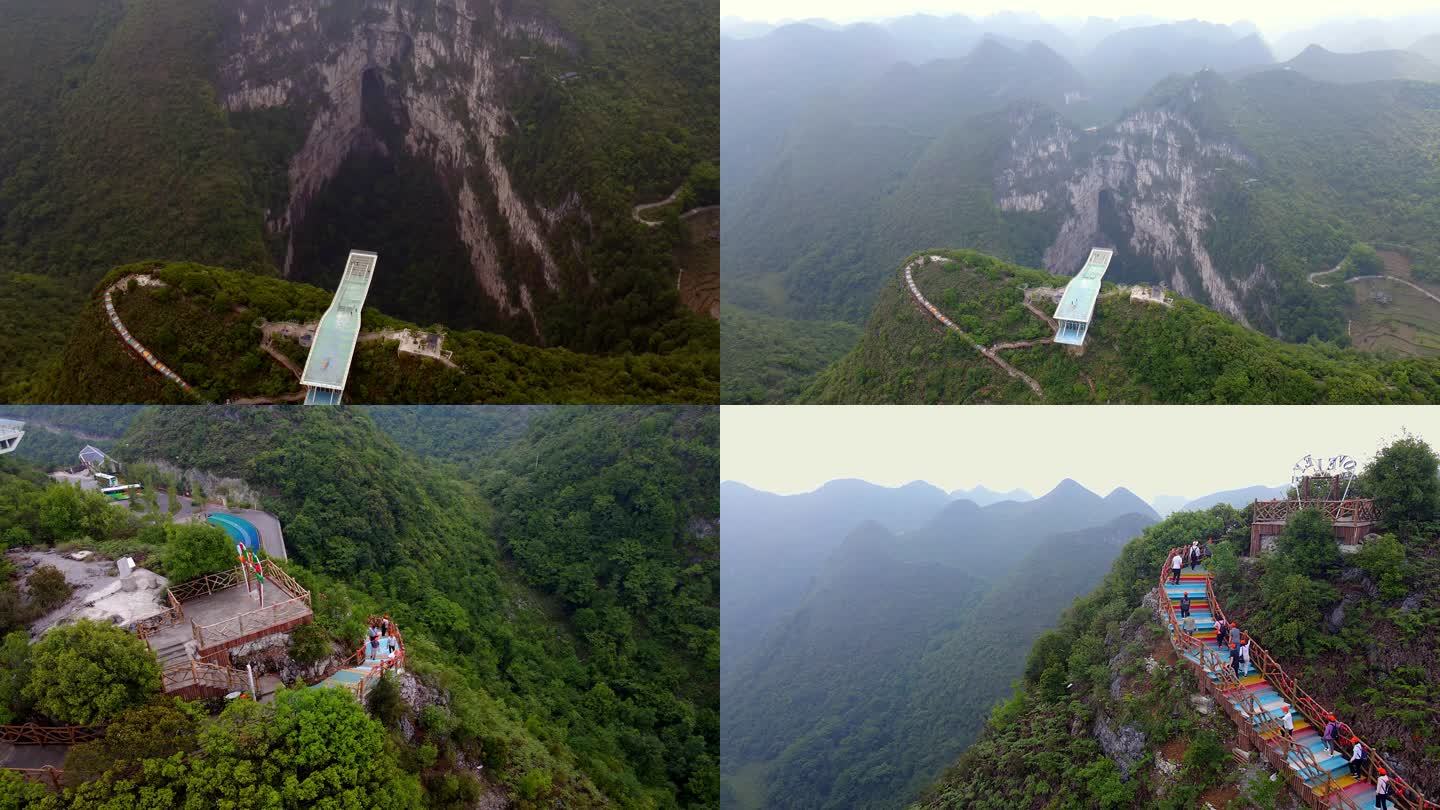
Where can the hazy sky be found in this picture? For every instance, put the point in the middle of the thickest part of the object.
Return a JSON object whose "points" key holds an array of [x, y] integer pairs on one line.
{"points": [[1150, 450], [1273, 17]]}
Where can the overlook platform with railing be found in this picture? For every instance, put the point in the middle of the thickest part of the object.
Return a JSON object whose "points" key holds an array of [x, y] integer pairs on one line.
{"points": [[218, 613]]}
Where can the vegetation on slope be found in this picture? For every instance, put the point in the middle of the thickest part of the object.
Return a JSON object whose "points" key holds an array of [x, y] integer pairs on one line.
{"points": [[205, 326], [583, 693], [885, 669], [764, 359], [1040, 749], [1135, 352], [124, 155]]}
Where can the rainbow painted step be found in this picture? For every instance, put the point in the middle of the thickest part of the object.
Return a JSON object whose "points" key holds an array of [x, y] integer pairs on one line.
{"points": [[1359, 791]]}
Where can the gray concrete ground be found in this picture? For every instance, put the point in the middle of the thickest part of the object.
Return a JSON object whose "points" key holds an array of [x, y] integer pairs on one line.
{"points": [[92, 578]]}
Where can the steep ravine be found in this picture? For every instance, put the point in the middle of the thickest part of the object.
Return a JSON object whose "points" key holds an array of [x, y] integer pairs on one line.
{"points": [[429, 78], [1142, 185]]}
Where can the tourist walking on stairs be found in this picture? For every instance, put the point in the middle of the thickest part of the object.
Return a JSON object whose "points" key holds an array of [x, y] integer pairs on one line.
{"points": [[1358, 755], [1176, 563], [1234, 635], [1245, 655], [1382, 790], [1188, 625], [1287, 723], [1184, 605], [1235, 659], [1194, 554], [1220, 632], [1330, 728]]}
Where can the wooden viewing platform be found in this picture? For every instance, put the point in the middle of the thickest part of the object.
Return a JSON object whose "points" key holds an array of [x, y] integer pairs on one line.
{"points": [[221, 614]]}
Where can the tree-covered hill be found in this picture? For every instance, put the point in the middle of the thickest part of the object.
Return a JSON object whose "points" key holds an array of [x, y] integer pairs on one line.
{"points": [[1092, 718], [561, 597], [1135, 352], [883, 670], [205, 325]]}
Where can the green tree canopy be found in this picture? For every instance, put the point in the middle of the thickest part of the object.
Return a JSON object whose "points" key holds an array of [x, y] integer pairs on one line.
{"points": [[87, 673], [310, 748], [1308, 540], [196, 549], [1402, 480], [156, 730], [1362, 260], [14, 674]]}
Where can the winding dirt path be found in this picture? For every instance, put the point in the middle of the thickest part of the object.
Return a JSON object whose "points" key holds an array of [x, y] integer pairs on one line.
{"points": [[129, 339], [949, 324], [674, 195]]}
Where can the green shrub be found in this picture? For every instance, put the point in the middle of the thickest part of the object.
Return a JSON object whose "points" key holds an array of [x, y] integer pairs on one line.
{"points": [[1384, 560], [1308, 541], [48, 588], [385, 702], [309, 644]]}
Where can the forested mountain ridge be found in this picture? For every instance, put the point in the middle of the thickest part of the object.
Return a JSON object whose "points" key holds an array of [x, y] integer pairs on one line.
{"points": [[1093, 718], [774, 544], [562, 598], [883, 670], [1135, 351], [1230, 182], [205, 324], [442, 135]]}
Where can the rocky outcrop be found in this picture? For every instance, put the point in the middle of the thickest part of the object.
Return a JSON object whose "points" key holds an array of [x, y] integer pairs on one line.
{"points": [[1125, 744], [1141, 185], [443, 69]]}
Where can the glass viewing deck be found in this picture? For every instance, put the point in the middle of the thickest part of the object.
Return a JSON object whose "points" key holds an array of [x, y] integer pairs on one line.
{"points": [[328, 366], [1078, 304]]}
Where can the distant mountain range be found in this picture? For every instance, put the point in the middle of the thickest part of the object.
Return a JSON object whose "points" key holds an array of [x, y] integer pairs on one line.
{"points": [[773, 545], [883, 665], [984, 496], [1207, 165]]}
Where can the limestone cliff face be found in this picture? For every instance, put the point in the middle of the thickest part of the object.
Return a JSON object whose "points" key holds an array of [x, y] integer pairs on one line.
{"points": [[443, 68], [1141, 184]]}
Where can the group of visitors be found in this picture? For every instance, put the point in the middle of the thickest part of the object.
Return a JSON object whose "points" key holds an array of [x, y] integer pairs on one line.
{"points": [[382, 644], [1228, 637], [1177, 563]]}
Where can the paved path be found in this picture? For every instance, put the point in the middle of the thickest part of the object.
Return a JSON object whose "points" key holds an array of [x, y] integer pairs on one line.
{"points": [[949, 324], [1406, 282], [129, 339]]}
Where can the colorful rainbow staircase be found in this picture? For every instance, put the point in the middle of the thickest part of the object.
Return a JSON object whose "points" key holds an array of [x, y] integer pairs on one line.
{"points": [[1359, 792], [361, 670]]}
